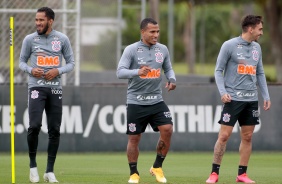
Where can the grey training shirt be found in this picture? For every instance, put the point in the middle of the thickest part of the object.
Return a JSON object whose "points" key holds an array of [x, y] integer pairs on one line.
{"points": [[145, 90], [46, 51], [238, 70]]}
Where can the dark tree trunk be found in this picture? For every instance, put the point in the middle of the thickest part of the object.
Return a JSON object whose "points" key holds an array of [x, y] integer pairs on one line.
{"points": [[154, 10], [188, 39], [273, 16]]}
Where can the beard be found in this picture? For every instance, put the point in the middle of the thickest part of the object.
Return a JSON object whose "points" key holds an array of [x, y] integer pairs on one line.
{"points": [[256, 39], [45, 29]]}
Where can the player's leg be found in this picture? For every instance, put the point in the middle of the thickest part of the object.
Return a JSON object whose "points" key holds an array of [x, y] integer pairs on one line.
{"points": [[54, 123], [162, 150], [136, 124], [161, 121], [133, 152], [220, 145], [229, 116], [248, 119], [163, 144], [132, 157], [36, 104], [245, 148], [219, 150], [54, 117]]}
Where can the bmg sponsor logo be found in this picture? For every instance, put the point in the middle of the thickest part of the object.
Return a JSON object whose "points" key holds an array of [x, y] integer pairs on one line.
{"points": [[48, 61], [153, 74]]}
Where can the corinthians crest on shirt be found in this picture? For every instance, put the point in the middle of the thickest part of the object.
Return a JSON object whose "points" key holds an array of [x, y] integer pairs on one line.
{"points": [[255, 55], [159, 57], [56, 46]]}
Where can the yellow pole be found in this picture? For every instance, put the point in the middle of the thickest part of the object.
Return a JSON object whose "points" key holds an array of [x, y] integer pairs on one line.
{"points": [[12, 97]]}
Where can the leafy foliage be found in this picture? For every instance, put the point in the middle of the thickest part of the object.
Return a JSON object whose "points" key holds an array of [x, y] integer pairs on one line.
{"points": [[97, 8], [222, 22]]}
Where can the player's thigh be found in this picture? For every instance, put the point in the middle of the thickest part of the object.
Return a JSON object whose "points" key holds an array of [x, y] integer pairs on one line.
{"points": [[161, 116], [36, 99], [54, 101], [54, 110], [250, 114], [36, 104], [137, 118], [231, 112]]}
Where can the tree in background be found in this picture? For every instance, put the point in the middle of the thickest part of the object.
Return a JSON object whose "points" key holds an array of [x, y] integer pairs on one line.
{"points": [[272, 10], [200, 28], [154, 9]]}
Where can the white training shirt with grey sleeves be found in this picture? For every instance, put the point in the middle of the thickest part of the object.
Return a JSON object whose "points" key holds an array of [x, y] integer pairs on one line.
{"points": [[46, 52], [145, 90], [239, 69]]}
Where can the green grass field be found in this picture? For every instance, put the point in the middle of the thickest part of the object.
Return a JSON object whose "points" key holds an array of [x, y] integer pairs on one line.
{"points": [[112, 168]]}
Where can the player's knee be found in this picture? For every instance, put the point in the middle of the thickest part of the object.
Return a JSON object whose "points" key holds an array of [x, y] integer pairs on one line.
{"points": [[223, 137], [166, 131], [169, 131], [34, 130], [247, 137], [54, 134], [134, 139], [168, 128]]}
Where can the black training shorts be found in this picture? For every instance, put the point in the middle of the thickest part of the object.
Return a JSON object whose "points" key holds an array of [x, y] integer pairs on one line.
{"points": [[245, 112], [139, 116], [48, 99]]}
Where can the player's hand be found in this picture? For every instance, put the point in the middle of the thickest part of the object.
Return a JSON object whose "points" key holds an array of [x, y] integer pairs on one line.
{"points": [[51, 74], [37, 72], [170, 86], [266, 105], [226, 98], [144, 70]]}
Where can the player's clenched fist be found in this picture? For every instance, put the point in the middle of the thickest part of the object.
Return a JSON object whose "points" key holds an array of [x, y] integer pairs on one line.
{"points": [[144, 70]]}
